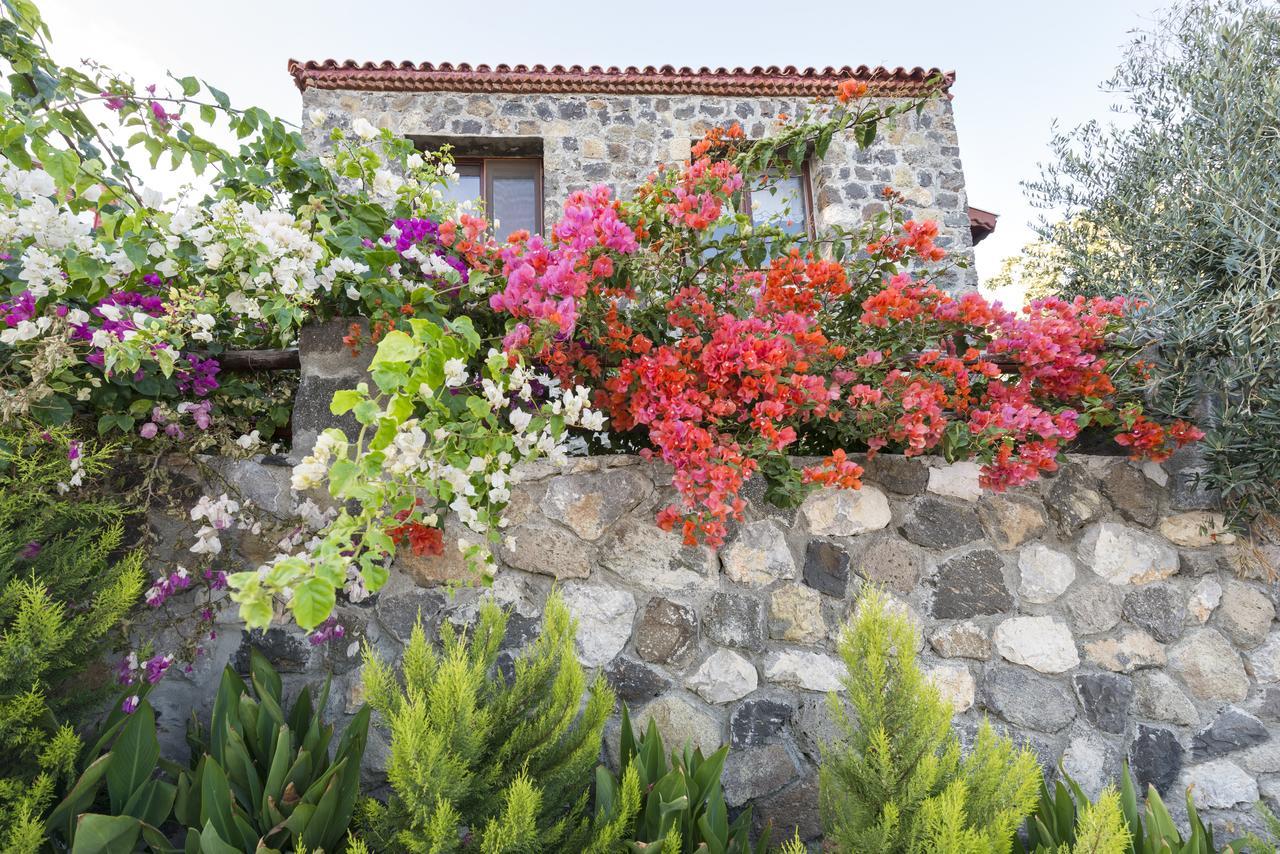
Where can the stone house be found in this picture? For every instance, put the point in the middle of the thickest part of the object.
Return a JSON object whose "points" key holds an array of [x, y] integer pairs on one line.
{"points": [[1098, 616], [524, 137]]}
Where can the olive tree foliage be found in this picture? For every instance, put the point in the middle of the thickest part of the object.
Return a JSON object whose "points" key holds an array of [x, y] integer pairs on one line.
{"points": [[1177, 201]]}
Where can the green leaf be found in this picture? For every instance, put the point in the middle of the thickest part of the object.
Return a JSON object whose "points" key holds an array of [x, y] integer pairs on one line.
{"points": [[340, 475], [106, 834], [344, 400], [396, 346], [133, 757], [312, 602], [218, 95], [211, 842], [152, 803], [190, 86], [367, 412], [80, 797]]}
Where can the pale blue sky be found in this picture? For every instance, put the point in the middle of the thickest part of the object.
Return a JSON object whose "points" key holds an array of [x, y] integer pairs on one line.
{"points": [[1019, 65]]}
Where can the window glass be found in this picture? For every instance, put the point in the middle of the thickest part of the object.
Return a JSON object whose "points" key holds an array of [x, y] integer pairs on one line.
{"points": [[780, 202], [465, 186], [514, 196]]}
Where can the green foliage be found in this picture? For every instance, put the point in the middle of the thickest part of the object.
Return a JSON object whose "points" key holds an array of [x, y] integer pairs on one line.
{"points": [[1152, 829], [683, 807], [510, 760], [263, 775], [895, 779], [793, 846], [262, 780], [1118, 823], [1256, 844], [1178, 203], [137, 801], [1067, 821], [65, 583]]}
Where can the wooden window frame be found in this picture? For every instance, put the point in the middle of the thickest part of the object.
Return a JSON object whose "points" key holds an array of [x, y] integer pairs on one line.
{"points": [[486, 194], [806, 185]]}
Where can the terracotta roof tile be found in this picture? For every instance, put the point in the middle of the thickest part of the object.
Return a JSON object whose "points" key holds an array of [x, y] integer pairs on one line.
{"points": [[771, 81], [981, 224]]}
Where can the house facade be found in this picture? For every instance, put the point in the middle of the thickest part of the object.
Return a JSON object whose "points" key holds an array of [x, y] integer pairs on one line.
{"points": [[525, 137]]}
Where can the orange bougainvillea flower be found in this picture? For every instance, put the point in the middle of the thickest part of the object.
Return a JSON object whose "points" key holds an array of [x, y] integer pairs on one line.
{"points": [[851, 89]]}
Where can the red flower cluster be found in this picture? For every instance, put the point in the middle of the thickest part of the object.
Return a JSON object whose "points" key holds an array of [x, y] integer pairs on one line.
{"points": [[1152, 441], [726, 391], [422, 539], [725, 368]]}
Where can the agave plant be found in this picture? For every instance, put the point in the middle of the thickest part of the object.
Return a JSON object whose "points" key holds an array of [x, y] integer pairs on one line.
{"points": [[262, 778], [683, 808]]}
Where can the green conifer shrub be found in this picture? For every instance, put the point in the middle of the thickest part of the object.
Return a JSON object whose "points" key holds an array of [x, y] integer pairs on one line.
{"points": [[895, 779], [66, 581], [482, 763], [1067, 822]]}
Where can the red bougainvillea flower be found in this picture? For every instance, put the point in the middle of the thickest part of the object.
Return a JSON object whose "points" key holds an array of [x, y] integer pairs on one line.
{"points": [[423, 540], [725, 368]]}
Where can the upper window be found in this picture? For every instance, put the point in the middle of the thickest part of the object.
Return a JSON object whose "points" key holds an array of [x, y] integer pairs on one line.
{"points": [[509, 187], [781, 202]]}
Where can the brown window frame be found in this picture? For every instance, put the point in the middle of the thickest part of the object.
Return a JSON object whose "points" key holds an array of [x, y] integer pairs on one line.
{"points": [[486, 186], [806, 184]]}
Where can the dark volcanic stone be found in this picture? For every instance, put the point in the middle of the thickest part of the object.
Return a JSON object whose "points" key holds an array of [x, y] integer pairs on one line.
{"points": [[1232, 730], [826, 568], [754, 722], [1155, 757], [521, 631], [1106, 699], [1159, 608], [287, 653], [635, 682], [355, 630], [937, 524], [896, 473], [1073, 501], [754, 772], [1187, 489], [790, 811], [667, 631], [1133, 494], [970, 584], [1027, 699], [734, 619]]}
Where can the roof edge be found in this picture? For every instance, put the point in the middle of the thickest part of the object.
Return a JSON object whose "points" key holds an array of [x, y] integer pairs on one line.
{"points": [[772, 81]]}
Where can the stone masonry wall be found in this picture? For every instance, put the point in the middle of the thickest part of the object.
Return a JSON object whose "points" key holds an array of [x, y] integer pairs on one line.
{"points": [[619, 139], [1093, 615]]}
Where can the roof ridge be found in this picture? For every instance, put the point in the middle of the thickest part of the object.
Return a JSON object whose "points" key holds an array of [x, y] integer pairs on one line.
{"points": [[772, 80]]}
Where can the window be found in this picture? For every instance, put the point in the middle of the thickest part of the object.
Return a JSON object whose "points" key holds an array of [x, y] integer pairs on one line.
{"points": [[782, 202], [509, 187]]}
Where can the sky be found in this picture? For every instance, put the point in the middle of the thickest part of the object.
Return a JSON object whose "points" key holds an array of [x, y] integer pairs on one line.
{"points": [[1020, 65]]}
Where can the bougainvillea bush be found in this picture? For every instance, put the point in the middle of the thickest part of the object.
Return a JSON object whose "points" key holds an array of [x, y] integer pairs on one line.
{"points": [[661, 321]]}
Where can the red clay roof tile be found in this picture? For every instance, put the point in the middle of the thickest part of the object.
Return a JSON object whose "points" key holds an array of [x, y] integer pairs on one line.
{"points": [[772, 81]]}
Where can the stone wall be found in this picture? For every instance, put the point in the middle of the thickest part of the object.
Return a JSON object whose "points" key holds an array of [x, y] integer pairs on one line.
{"points": [[588, 139], [1089, 615]]}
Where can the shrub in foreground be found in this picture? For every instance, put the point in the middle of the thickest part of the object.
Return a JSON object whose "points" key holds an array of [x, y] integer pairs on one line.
{"points": [[482, 762], [66, 582], [896, 780]]}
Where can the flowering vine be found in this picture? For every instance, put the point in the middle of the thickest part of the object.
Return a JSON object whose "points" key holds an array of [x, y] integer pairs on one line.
{"points": [[668, 318]]}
